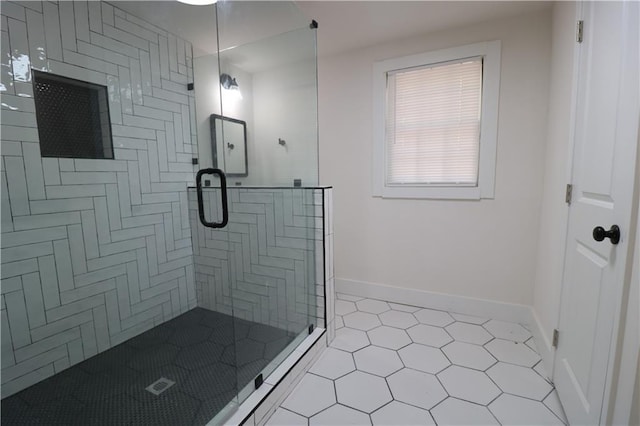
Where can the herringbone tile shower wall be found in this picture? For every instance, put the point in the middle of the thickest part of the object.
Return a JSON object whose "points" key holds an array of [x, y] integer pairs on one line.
{"points": [[266, 265], [93, 251]]}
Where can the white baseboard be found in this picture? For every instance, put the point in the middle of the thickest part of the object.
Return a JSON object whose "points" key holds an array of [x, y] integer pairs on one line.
{"points": [[445, 302], [543, 343]]}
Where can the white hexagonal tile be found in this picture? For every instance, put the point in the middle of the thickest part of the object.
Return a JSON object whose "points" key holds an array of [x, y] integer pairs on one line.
{"points": [[469, 318], [312, 395], [429, 335], [344, 307], [362, 391], [398, 413], [378, 361], [339, 415], [432, 317], [416, 388], [453, 411], [333, 363], [532, 344], [539, 368], [521, 381], [553, 403], [508, 330], [350, 340], [339, 322], [469, 355], [398, 319], [423, 358], [403, 308], [512, 352], [388, 337], [467, 384], [372, 306], [361, 321], [469, 333], [284, 417], [515, 410]]}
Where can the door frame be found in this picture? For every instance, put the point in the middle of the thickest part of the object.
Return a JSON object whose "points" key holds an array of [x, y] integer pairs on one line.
{"points": [[623, 351]]}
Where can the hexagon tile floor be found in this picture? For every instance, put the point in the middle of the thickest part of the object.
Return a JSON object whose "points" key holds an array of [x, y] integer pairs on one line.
{"points": [[207, 354], [394, 364]]}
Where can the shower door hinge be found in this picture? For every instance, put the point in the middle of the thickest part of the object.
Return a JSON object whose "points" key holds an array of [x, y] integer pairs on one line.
{"points": [[579, 31], [556, 335], [568, 194], [258, 381]]}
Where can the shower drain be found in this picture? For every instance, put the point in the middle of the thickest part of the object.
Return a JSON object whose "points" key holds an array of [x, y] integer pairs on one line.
{"points": [[160, 385]]}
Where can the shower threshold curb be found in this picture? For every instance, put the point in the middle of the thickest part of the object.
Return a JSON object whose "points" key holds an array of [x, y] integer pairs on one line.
{"points": [[259, 406]]}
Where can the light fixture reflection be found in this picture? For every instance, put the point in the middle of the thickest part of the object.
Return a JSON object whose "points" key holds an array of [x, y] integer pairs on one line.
{"points": [[232, 89], [198, 2]]}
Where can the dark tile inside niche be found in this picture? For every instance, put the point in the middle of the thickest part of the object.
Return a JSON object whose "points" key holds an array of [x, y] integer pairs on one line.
{"points": [[207, 354]]}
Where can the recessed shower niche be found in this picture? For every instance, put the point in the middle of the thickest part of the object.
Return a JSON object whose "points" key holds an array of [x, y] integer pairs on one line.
{"points": [[121, 304]]}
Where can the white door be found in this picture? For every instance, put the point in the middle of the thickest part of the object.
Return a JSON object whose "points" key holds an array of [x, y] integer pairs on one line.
{"points": [[604, 161]]}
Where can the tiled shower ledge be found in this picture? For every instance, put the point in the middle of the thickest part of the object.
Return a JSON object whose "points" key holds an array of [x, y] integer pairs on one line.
{"points": [[393, 364]]}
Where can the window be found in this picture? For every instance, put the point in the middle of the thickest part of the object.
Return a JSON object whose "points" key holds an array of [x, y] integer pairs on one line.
{"points": [[73, 117], [435, 123]]}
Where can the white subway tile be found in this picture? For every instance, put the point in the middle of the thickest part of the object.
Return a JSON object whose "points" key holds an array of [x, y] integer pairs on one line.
{"points": [[17, 185], [136, 81], [136, 30], [90, 233], [9, 148], [6, 68], [74, 191], [170, 144], [157, 114], [143, 167], [18, 118], [148, 123], [21, 60], [113, 45], [125, 90], [6, 354], [52, 31], [51, 171], [102, 54], [145, 69], [13, 10], [37, 43], [33, 166], [18, 322], [77, 72], [67, 24], [113, 207], [81, 11], [49, 276], [89, 344], [61, 205], [12, 239], [13, 269], [89, 63], [154, 57], [130, 143], [34, 304], [95, 16], [80, 178], [125, 37], [76, 244], [107, 13], [102, 220], [173, 53], [46, 220], [160, 156], [164, 57], [23, 134]]}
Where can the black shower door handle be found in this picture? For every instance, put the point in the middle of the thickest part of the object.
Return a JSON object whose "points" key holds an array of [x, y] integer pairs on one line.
{"points": [[223, 194]]}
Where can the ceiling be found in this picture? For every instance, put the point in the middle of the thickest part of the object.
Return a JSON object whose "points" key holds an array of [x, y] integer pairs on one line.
{"points": [[343, 25]]}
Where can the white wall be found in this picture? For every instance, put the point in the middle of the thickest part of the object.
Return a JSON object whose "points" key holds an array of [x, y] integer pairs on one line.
{"points": [[484, 249], [285, 107], [207, 89], [553, 211]]}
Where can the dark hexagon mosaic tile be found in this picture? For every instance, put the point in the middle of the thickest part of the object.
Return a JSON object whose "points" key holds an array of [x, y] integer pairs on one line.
{"points": [[207, 354]]}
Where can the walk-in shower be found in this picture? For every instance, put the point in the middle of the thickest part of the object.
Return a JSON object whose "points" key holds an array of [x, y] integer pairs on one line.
{"points": [[163, 232]]}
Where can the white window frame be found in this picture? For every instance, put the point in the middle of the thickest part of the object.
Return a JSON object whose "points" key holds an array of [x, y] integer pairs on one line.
{"points": [[490, 52]]}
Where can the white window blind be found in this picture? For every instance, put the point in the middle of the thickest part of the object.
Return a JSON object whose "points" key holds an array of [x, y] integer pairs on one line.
{"points": [[432, 124]]}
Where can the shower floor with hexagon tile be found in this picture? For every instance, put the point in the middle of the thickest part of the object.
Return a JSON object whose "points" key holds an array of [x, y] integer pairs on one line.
{"points": [[206, 354], [394, 364]]}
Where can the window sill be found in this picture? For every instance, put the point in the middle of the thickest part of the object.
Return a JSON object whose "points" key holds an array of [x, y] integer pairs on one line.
{"points": [[433, 193]]}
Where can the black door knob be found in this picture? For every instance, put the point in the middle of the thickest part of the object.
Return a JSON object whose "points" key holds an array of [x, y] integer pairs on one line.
{"points": [[613, 234]]}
